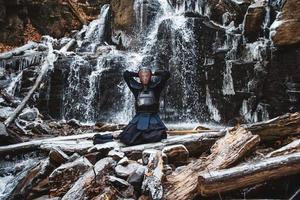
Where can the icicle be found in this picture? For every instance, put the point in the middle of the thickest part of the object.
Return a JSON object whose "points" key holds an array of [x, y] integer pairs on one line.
{"points": [[13, 84], [259, 114], [214, 112], [228, 88]]}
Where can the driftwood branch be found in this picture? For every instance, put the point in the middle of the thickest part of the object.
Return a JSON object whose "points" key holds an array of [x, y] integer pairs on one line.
{"points": [[214, 182]]}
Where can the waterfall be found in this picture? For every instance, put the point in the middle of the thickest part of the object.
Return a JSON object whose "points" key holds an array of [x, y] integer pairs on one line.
{"points": [[95, 32], [83, 91], [74, 102], [204, 58]]}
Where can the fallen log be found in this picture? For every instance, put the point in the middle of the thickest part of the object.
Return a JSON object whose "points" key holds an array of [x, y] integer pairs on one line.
{"points": [[287, 149], [25, 60], [17, 51], [33, 177], [195, 143], [185, 132], [70, 173], [276, 128], [55, 142], [152, 183], [214, 182], [225, 152]]}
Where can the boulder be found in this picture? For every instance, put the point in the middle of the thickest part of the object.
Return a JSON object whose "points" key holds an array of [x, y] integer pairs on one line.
{"points": [[93, 157], [124, 161], [285, 30], [116, 155], [57, 156], [125, 171], [68, 172], [118, 182], [29, 114], [137, 177]]}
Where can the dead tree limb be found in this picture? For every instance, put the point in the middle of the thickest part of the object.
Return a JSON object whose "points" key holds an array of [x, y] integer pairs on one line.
{"points": [[195, 143], [214, 182], [76, 12]]}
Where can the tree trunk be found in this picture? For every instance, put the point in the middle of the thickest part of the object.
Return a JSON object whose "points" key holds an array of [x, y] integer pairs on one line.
{"points": [[282, 126], [214, 182], [76, 12]]}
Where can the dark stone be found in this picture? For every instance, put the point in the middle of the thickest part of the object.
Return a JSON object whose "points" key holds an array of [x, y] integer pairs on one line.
{"points": [[136, 178], [118, 182], [29, 114], [57, 156]]}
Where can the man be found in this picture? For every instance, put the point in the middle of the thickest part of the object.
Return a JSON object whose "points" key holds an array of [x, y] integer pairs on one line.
{"points": [[146, 126]]}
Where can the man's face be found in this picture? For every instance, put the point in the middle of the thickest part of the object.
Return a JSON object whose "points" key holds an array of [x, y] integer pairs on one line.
{"points": [[145, 76]]}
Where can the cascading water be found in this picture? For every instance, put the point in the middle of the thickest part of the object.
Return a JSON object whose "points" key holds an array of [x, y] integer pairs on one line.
{"points": [[84, 75]]}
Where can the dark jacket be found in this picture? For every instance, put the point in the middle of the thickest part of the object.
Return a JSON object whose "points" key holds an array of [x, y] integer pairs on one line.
{"points": [[155, 86]]}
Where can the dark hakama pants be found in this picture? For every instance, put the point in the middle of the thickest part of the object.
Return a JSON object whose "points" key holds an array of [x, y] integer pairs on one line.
{"points": [[143, 128]]}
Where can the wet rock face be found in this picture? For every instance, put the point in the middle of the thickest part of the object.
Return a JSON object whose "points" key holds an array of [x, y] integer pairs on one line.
{"points": [[282, 92], [185, 49], [50, 17], [254, 19], [286, 28], [123, 14], [76, 89]]}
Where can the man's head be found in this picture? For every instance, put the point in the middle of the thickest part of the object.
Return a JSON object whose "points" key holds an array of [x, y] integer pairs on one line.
{"points": [[145, 75]]}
